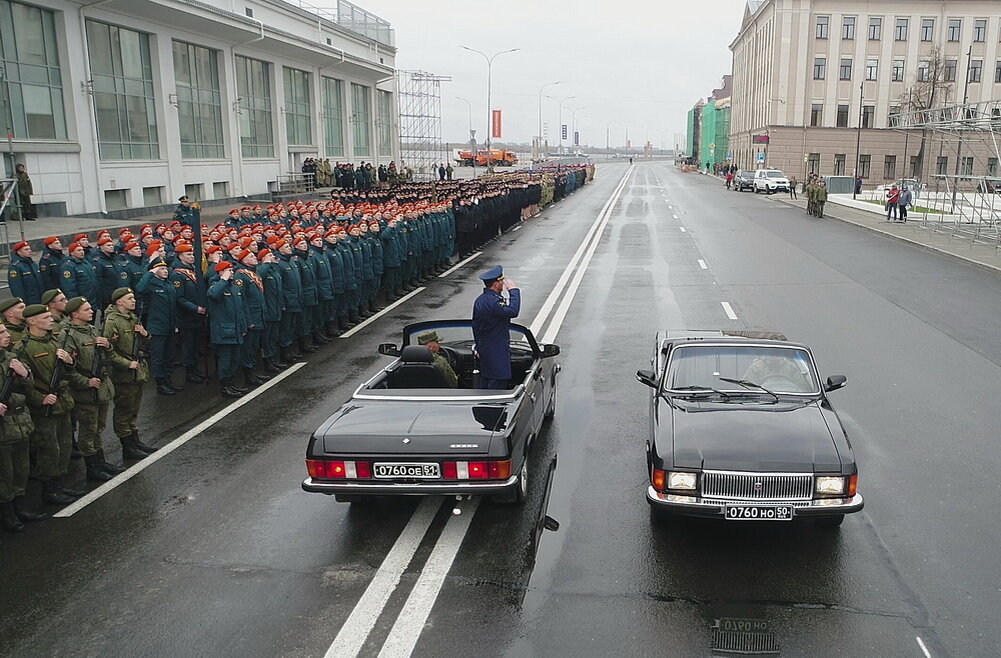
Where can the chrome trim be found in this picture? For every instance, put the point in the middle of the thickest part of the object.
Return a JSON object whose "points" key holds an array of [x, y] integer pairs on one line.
{"points": [[714, 507], [739, 485], [395, 488]]}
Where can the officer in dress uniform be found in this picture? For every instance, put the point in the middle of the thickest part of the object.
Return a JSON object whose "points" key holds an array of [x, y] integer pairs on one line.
{"points": [[50, 262], [191, 308], [24, 277], [491, 328]]}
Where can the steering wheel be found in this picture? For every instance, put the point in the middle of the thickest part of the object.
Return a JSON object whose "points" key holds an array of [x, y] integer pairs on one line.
{"points": [[450, 356]]}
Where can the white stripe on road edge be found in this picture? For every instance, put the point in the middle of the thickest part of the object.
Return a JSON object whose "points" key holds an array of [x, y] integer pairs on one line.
{"points": [[729, 310], [361, 325], [139, 467], [458, 265], [516, 228], [407, 629], [924, 649], [684, 230], [703, 265], [360, 623], [676, 217]]}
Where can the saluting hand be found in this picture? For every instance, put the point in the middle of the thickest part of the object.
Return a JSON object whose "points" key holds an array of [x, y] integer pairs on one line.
{"points": [[509, 283]]}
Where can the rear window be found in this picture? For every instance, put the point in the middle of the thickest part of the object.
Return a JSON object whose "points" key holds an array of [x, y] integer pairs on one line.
{"points": [[775, 174]]}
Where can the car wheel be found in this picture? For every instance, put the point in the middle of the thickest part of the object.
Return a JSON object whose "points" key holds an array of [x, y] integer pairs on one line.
{"points": [[551, 408], [520, 494], [830, 521]]}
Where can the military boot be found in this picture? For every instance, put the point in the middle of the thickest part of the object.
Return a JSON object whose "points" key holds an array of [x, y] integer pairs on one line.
{"points": [[107, 466], [130, 450], [94, 470], [289, 355], [305, 347], [320, 338], [8, 518], [27, 515], [52, 493], [163, 388], [252, 378], [228, 390], [272, 366], [148, 449], [70, 490]]}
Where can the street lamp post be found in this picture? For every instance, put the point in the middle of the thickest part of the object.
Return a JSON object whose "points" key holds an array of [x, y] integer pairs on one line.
{"points": [[858, 137], [490, 62], [472, 144], [561, 102], [573, 124], [541, 156]]}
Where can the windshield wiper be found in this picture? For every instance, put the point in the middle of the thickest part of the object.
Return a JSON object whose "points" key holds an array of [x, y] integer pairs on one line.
{"points": [[747, 384], [702, 389]]}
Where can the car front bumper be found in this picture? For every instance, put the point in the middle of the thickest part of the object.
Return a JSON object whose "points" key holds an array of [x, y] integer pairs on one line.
{"points": [[712, 507], [421, 489]]}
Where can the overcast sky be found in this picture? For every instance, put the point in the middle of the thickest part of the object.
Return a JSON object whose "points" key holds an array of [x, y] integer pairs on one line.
{"points": [[639, 64]]}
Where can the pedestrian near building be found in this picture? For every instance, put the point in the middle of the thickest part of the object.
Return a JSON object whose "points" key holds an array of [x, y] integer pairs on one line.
{"points": [[892, 198], [491, 328], [129, 371], [821, 198], [905, 202], [23, 276], [792, 186], [24, 191]]}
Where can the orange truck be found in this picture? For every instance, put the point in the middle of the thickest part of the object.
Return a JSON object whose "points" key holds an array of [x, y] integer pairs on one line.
{"points": [[500, 157]]}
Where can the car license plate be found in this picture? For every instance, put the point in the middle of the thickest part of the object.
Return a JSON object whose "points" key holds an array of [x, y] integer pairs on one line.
{"points": [[421, 471], [758, 512]]}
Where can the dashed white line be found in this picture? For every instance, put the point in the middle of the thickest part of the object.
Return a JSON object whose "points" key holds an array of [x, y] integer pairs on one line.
{"points": [[358, 327], [139, 467], [728, 310], [683, 229], [924, 649], [676, 217], [703, 265], [459, 264]]}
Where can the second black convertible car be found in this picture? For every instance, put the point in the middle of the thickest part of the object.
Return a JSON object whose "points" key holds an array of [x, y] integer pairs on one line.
{"points": [[741, 429], [406, 432]]}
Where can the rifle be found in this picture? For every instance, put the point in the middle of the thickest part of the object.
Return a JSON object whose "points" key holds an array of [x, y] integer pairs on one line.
{"points": [[137, 350], [58, 373], [8, 383], [97, 367]]}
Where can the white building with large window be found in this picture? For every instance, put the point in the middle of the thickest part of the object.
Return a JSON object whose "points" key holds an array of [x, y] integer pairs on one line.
{"points": [[122, 104]]}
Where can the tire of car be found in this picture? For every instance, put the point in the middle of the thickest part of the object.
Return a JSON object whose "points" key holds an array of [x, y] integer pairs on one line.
{"points": [[520, 494], [830, 521]]}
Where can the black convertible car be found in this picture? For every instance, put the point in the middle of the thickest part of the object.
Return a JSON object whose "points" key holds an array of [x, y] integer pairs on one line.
{"points": [[405, 432], [741, 429]]}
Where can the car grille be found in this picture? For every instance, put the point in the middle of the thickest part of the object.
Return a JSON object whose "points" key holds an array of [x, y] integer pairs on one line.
{"points": [[756, 486]]}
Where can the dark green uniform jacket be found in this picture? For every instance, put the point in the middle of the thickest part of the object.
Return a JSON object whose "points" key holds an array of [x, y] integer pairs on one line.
{"points": [[84, 350], [40, 357], [25, 280], [16, 425], [162, 318], [227, 322], [120, 330]]}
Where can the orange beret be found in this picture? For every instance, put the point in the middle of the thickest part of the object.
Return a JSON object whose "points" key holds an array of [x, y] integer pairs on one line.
{"points": [[223, 265]]}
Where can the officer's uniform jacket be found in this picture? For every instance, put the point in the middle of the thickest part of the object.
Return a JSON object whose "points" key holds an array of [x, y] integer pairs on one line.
{"points": [[79, 279], [491, 331], [25, 280]]}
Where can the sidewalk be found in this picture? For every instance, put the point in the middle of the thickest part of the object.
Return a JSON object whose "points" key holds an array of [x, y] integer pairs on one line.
{"points": [[914, 232]]}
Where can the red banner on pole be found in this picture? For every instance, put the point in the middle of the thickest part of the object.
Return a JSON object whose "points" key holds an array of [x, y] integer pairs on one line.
{"points": [[495, 128]]}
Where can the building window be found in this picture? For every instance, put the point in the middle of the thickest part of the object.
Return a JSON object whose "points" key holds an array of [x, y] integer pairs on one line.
{"points": [[997, 71], [914, 166], [949, 71], [966, 168], [900, 31], [361, 120], [976, 70], [992, 166], [194, 190], [220, 189], [253, 86], [333, 117], [955, 28], [890, 167], [893, 119], [152, 196], [846, 68], [980, 30], [820, 68], [116, 199], [868, 114], [842, 116], [848, 27], [124, 102], [384, 121], [813, 162], [839, 164], [864, 165], [871, 68], [30, 58], [298, 106], [875, 28], [942, 165], [199, 101], [927, 29], [898, 70], [923, 67], [823, 26], [816, 115]]}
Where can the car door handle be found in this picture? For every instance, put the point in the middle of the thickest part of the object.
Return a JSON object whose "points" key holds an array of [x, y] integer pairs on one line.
{"points": [[532, 395]]}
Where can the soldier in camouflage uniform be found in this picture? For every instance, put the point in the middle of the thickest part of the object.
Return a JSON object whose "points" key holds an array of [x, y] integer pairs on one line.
{"points": [[12, 310], [129, 371]]}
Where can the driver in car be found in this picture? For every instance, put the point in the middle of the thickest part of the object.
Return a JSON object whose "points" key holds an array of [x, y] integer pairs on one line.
{"points": [[431, 340], [774, 370]]}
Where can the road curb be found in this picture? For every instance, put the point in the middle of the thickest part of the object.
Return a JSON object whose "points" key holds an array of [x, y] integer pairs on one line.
{"points": [[927, 247]]}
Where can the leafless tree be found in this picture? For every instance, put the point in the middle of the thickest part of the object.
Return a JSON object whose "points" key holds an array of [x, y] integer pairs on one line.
{"points": [[931, 89]]}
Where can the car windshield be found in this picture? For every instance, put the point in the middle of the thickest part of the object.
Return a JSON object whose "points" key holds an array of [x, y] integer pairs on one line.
{"points": [[776, 174], [461, 333], [778, 369]]}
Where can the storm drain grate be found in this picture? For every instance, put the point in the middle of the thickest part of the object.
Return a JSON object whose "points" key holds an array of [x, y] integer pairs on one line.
{"points": [[743, 636]]}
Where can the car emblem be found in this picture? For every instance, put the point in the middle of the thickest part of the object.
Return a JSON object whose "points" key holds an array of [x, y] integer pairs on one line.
{"points": [[758, 486], [406, 440]]}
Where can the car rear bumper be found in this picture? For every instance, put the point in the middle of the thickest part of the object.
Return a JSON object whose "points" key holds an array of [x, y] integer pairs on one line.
{"points": [[695, 506], [421, 489]]}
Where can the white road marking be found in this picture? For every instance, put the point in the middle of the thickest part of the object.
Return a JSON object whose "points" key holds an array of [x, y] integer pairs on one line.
{"points": [[407, 629], [676, 217], [684, 230], [458, 265], [703, 265], [516, 228], [924, 649], [361, 621], [729, 310], [139, 467], [361, 325]]}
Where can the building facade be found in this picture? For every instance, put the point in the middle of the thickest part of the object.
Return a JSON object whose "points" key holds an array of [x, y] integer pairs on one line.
{"points": [[693, 141], [809, 73], [120, 104], [715, 130]]}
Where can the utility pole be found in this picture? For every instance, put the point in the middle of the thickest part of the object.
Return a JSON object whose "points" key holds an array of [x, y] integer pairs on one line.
{"points": [[959, 146], [858, 136]]}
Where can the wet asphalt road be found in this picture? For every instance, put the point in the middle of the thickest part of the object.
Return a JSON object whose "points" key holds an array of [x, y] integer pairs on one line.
{"points": [[215, 550]]}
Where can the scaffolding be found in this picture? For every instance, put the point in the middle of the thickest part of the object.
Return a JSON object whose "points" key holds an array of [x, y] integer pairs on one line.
{"points": [[958, 201], [421, 145]]}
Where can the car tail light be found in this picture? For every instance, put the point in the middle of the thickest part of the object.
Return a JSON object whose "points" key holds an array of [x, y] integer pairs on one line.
{"points": [[500, 470], [448, 471], [852, 485], [658, 479], [492, 470], [331, 469], [478, 471]]}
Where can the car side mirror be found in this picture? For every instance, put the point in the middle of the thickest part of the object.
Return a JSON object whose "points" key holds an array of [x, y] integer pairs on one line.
{"points": [[647, 377], [389, 349], [834, 382], [549, 350]]}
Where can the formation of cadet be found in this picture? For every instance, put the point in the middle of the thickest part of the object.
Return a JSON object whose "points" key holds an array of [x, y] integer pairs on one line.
{"points": [[816, 195]]}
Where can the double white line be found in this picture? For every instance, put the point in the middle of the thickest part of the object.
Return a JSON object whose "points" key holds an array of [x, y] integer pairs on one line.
{"points": [[406, 630]]}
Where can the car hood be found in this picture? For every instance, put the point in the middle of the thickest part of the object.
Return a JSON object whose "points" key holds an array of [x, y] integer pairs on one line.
{"points": [[785, 437], [386, 427]]}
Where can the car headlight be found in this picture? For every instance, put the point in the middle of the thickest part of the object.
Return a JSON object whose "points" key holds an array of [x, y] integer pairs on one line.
{"points": [[681, 480], [830, 485]]}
